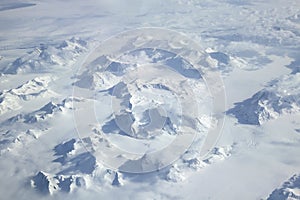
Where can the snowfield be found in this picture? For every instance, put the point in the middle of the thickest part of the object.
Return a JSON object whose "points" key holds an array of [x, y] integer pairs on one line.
{"points": [[150, 99]]}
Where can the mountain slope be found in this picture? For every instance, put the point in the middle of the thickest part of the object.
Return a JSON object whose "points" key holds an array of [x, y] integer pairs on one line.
{"points": [[281, 96]]}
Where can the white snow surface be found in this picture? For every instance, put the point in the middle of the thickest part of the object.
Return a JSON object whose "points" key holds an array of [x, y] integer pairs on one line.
{"points": [[47, 153]]}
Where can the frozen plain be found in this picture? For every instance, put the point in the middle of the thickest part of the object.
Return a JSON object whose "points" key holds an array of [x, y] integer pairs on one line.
{"points": [[254, 45]]}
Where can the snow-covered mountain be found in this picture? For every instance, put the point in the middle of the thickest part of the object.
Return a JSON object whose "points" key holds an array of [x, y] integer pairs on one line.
{"points": [[46, 58], [289, 190], [36, 88], [95, 106], [279, 97]]}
